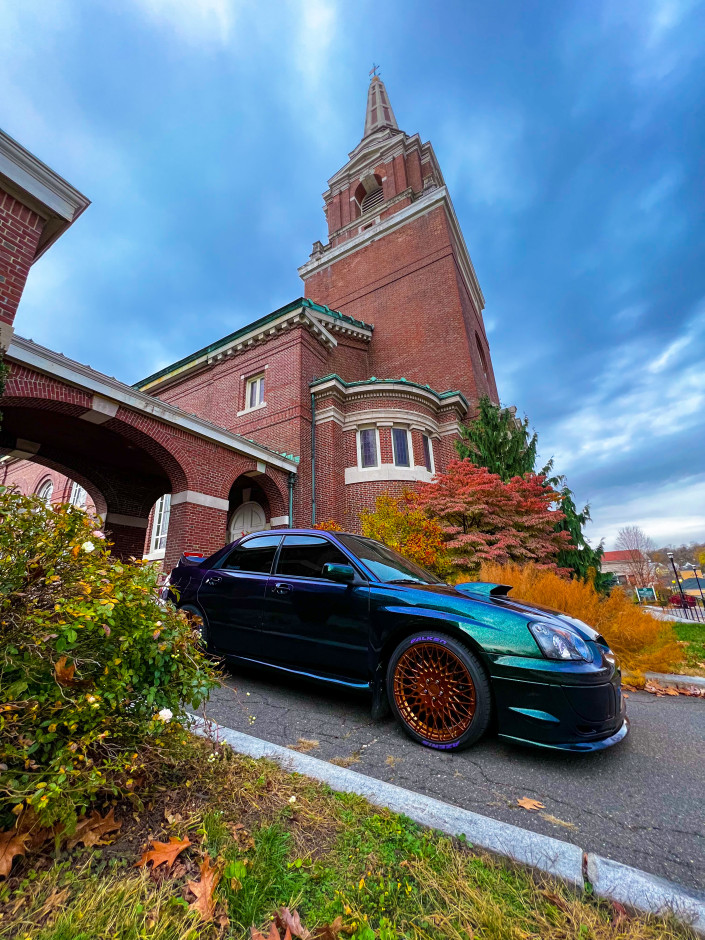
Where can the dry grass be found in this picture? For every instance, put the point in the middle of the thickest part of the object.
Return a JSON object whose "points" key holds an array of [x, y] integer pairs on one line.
{"points": [[640, 641]]}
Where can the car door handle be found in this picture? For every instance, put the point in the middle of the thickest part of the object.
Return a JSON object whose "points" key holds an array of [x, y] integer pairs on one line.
{"points": [[282, 588], [214, 579]]}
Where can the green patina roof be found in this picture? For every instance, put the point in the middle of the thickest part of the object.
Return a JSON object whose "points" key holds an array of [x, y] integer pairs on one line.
{"points": [[213, 347], [373, 380]]}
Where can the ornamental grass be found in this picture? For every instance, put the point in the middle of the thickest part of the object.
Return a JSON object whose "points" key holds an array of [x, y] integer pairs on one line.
{"points": [[641, 642]]}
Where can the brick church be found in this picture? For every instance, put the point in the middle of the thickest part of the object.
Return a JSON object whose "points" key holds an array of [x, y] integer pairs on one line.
{"points": [[364, 384]]}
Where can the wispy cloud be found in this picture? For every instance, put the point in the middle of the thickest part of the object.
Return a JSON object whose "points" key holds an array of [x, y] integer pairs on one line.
{"points": [[196, 22]]}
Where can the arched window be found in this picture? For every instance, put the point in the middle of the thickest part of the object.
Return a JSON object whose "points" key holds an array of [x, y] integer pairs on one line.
{"points": [[45, 491], [483, 358], [78, 495], [374, 198]]}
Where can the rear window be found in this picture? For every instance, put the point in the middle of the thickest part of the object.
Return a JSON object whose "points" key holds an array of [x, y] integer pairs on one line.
{"points": [[254, 556]]}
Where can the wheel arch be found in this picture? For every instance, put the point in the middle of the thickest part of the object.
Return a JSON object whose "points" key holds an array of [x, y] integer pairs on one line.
{"points": [[394, 637]]}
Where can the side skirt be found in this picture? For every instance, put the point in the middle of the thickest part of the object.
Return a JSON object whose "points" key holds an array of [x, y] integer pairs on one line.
{"points": [[362, 686]]}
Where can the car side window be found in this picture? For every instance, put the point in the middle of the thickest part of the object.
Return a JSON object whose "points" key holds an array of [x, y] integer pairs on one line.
{"points": [[304, 556], [253, 556]]}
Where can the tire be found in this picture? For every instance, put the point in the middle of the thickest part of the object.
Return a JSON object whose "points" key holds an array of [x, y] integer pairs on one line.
{"points": [[421, 670], [198, 619]]}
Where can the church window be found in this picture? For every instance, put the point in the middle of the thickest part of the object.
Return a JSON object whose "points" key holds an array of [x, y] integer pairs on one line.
{"points": [[78, 495], [427, 452], [400, 446], [368, 447], [46, 491], [373, 199], [254, 392], [160, 525]]}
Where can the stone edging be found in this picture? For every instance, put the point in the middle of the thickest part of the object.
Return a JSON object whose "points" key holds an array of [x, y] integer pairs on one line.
{"points": [[675, 681], [610, 880]]}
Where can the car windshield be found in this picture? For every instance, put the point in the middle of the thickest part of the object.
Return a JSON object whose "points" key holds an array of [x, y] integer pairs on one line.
{"points": [[386, 564]]}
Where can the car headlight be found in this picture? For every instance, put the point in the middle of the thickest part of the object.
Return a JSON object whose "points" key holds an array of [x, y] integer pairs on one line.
{"points": [[560, 642]]}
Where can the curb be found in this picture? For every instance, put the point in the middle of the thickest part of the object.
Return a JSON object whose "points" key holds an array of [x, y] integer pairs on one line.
{"points": [[610, 880], [675, 681]]}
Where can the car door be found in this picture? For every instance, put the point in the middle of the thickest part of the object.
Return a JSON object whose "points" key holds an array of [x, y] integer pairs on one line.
{"points": [[312, 624], [232, 595]]}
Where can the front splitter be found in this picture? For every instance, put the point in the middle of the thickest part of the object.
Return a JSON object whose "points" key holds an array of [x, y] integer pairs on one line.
{"points": [[575, 747]]}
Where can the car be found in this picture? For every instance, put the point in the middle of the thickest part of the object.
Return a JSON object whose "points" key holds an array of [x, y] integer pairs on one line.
{"points": [[449, 660]]}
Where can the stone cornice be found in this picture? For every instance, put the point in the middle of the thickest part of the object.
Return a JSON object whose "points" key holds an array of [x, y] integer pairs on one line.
{"points": [[27, 353], [345, 392], [438, 196], [343, 327], [42, 190]]}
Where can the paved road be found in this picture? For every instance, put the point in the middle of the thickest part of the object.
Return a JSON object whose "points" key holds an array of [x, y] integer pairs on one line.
{"points": [[641, 803]]}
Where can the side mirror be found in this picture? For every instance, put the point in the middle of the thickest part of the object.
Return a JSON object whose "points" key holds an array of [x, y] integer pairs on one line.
{"points": [[344, 574]]}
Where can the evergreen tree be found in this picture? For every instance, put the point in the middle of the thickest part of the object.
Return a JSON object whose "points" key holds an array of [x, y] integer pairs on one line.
{"points": [[584, 560], [498, 440]]}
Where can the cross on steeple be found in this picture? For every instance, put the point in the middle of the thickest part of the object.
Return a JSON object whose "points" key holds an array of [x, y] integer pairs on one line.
{"points": [[374, 70]]}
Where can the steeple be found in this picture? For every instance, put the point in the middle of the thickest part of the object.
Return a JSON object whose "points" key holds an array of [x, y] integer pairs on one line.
{"points": [[379, 112]]}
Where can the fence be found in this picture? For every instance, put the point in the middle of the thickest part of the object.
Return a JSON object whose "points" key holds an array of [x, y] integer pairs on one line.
{"points": [[675, 611]]}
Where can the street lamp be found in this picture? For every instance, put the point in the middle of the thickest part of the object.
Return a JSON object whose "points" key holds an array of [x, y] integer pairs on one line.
{"points": [[678, 582]]}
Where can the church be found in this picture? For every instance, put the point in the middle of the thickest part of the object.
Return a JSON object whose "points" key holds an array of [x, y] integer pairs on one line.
{"points": [[364, 380]]}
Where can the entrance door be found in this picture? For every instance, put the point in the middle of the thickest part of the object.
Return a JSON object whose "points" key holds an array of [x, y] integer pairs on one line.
{"points": [[312, 624], [232, 596], [250, 517]]}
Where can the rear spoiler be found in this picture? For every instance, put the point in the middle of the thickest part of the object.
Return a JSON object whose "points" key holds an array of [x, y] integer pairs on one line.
{"points": [[483, 588], [191, 558]]}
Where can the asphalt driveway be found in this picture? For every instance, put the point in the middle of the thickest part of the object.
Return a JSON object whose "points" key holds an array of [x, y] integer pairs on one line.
{"points": [[641, 803]]}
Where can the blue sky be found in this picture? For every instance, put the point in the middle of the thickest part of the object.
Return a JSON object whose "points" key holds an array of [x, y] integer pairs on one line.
{"points": [[571, 136]]}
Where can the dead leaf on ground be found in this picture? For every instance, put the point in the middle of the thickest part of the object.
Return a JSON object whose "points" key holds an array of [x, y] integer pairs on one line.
{"points": [[345, 761], [52, 904], [331, 931], [291, 921], [392, 761], [91, 830], [163, 853], [272, 935], [205, 889], [557, 901], [527, 803], [620, 914], [12, 844], [65, 674]]}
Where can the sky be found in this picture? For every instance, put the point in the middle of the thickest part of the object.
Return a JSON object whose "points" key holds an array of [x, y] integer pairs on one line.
{"points": [[571, 136]]}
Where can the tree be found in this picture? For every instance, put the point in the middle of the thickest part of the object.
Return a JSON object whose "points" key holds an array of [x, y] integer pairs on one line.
{"points": [[637, 543], [498, 440], [584, 560], [485, 519], [403, 525]]}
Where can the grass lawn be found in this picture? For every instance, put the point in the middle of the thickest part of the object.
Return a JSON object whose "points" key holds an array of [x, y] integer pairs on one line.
{"points": [[693, 636], [280, 839]]}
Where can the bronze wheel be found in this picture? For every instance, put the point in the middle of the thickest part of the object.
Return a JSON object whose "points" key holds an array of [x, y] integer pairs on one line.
{"points": [[434, 692]]}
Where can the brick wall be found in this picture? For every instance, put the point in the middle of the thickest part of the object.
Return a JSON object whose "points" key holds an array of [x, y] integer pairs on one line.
{"points": [[20, 229]]}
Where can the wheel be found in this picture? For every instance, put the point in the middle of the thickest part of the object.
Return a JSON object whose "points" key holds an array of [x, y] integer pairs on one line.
{"points": [[198, 622], [439, 691]]}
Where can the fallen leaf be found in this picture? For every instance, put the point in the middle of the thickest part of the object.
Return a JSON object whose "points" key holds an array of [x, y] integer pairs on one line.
{"points": [[273, 933], [304, 745], [64, 674], [55, 900], [204, 889], [91, 830], [556, 900], [331, 931], [620, 914], [164, 853], [290, 920], [527, 803], [12, 844]]}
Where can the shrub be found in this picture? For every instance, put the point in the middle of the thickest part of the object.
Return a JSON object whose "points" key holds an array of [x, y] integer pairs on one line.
{"points": [[88, 660], [328, 525], [640, 641], [400, 523]]}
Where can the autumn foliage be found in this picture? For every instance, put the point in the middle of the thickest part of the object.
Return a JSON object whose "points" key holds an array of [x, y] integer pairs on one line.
{"points": [[640, 641], [94, 673], [402, 523], [484, 519]]}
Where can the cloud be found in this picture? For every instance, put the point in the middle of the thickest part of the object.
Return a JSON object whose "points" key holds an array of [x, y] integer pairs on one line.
{"points": [[196, 22]]}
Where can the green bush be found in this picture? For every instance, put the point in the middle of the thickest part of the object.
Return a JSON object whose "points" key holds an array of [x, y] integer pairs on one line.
{"points": [[88, 660]]}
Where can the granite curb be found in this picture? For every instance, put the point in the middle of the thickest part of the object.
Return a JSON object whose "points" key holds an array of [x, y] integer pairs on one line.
{"points": [[670, 680], [610, 880]]}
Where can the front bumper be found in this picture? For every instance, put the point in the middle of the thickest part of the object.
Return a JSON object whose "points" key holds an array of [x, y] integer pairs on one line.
{"points": [[569, 707]]}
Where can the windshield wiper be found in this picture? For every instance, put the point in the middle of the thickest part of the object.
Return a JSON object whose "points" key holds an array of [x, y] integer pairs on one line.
{"points": [[406, 581]]}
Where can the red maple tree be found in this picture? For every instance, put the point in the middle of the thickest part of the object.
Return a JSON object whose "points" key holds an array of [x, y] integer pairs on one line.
{"points": [[485, 519]]}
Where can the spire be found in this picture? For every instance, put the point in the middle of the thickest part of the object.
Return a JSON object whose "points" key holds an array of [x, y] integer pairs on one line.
{"points": [[379, 111]]}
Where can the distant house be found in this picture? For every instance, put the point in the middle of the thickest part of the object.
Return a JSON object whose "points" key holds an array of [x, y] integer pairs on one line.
{"points": [[622, 564]]}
